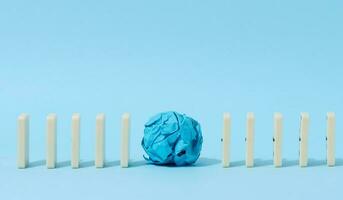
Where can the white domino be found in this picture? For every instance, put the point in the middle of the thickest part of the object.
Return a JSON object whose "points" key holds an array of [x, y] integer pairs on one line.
{"points": [[75, 141], [304, 131], [23, 141], [100, 141], [125, 140], [330, 139], [249, 160], [277, 140], [226, 140], [51, 141]]}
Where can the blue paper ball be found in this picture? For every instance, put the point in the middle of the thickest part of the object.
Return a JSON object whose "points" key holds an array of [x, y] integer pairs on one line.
{"points": [[171, 138]]}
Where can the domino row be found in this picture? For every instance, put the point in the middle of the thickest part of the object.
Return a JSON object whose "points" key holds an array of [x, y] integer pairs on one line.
{"points": [[277, 139], [23, 141]]}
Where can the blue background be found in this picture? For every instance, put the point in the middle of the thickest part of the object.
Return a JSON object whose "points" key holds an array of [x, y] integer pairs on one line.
{"points": [[201, 58]]}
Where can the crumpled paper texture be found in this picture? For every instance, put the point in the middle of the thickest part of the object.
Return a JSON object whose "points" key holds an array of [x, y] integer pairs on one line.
{"points": [[171, 138]]}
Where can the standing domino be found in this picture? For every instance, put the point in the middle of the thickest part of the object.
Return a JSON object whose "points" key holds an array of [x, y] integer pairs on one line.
{"points": [[100, 141], [304, 129], [277, 140], [249, 160], [125, 139], [23, 141], [75, 141], [51, 141], [330, 139], [226, 139]]}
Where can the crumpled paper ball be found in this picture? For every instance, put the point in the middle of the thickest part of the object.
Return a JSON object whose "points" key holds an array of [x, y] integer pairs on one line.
{"points": [[171, 138]]}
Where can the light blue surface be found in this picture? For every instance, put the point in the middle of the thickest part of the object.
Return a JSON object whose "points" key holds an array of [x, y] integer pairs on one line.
{"points": [[141, 57]]}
